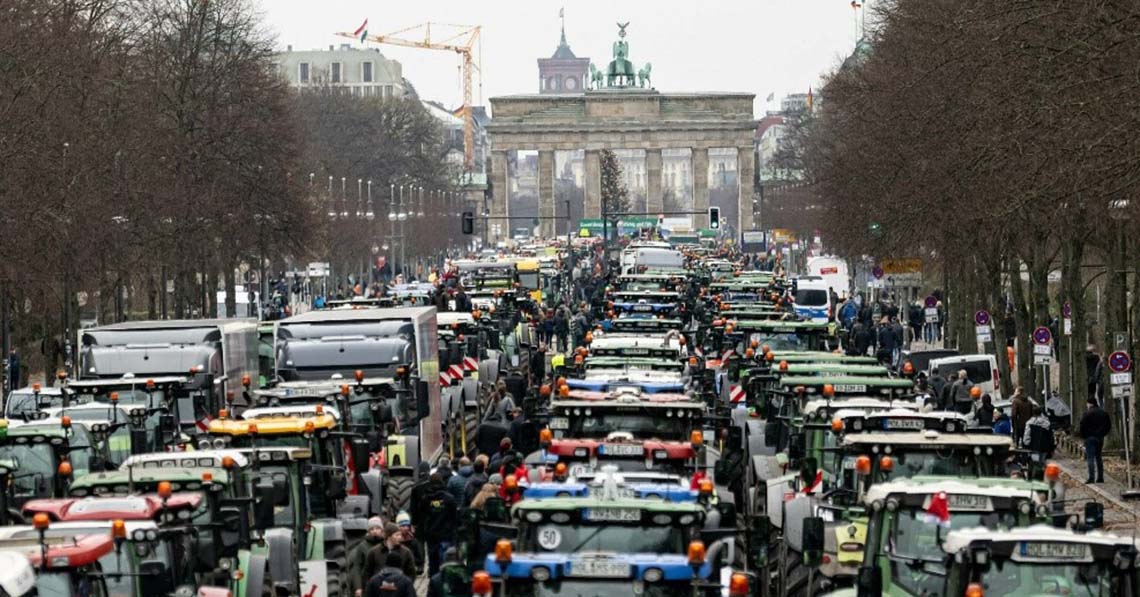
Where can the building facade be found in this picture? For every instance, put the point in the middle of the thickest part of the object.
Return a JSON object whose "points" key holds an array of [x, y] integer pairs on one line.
{"points": [[363, 72]]}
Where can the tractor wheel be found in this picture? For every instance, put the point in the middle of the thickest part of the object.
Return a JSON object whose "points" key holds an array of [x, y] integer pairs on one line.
{"points": [[336, 555], [471, 423], [399, 495]]}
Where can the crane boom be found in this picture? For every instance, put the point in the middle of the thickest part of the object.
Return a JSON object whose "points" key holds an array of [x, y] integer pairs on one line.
{"points": [[463, 43]]}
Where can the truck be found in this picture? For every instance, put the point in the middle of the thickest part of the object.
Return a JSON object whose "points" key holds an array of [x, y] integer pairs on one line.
{"points": [[198, 361], [375, 344]]}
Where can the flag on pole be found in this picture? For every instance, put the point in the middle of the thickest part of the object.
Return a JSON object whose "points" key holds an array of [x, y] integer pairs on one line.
{"points": [[362, 31], [809, 100], [562, 12], [938, 512], [771, 96]]}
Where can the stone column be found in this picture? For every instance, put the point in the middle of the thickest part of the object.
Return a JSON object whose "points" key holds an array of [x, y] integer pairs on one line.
{"points": [[700, 159], [546, 192], [498, 197], [593, 184], [654, 203], [745, 168]]}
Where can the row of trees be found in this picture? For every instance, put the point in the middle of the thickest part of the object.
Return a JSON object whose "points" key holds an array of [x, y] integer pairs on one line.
{"points": [[149, 145], [995, 140]]}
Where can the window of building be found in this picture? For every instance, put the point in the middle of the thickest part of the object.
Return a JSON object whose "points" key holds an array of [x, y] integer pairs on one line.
{"points": [[303, 73], [334, 73], [388, 91], [356, 91], [366, 72]]}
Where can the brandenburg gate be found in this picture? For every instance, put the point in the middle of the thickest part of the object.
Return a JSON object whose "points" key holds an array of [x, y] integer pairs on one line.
{"points": [[620, 110]]}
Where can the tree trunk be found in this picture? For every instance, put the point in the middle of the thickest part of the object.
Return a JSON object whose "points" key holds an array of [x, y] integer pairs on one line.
{"points": [[230, 281], [1022, 323], [1115, 320], [1073, 375]]}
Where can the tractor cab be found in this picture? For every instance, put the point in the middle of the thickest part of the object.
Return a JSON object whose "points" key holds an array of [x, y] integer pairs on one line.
{"points": [[904, 540], [1039, 560]]}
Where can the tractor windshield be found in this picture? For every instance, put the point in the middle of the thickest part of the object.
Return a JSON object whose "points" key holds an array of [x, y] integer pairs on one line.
{"points": [[35, 468]]}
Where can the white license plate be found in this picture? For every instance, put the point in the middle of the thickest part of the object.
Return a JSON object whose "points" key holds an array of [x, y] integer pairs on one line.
{"points": [[306, 391], [910, 424], [598, 568], [968, 502], [612, 515], [1054, 551], [559, 423], [642, 308], [622, 450], [848, 388]]}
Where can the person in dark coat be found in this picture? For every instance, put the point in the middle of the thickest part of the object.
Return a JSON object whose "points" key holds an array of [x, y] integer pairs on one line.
{"points": [[1094, 427], [477, 479], [390, 581], [985, 415], [458, 482], [441, 519], [1020, 413], [393, 544], [452, 580]]}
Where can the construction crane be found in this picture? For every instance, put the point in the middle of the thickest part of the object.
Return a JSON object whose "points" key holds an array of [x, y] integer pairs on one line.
{"points": [[460, 39]]}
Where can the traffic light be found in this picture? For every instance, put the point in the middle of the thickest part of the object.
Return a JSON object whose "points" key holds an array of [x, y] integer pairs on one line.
{"points": [[714, 218], [468, 222]]}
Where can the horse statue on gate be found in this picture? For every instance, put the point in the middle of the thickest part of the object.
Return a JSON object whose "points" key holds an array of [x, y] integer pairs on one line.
{"points": [[597, 77], [643, 76]]}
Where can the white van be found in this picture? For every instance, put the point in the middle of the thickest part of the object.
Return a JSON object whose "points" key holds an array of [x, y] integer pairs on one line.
{"points": [[812, 299], [833, 270], [981, 370]]}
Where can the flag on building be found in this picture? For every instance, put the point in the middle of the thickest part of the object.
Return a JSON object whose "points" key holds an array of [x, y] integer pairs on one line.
{"points": [[362, 31], [809, 100], [771, 96]]}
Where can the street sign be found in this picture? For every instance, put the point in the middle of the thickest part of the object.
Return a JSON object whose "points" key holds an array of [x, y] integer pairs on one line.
{"points": [[982, 317], [1121, 379], [1122, 391], [930, 302], [1042, 335], [1119, 362], [877, 272], [1040, 349], [318, 269], [931, 315], [1067, 311], [1067, 319]]}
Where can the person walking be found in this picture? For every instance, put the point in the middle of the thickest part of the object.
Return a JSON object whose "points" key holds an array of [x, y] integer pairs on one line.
{"points": [[959, 394], [985, 415], [379, 555], [1038, 435], [359, 555], [1020, 412], [458, 482], [390, 581], [452, 580], [441, 518], [1094, 427]]}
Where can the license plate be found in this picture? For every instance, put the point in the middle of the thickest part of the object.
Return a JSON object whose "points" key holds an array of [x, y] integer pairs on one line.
{"points": [[306, 391], [642, 308], [635, 352], [968, 502], [1054, 551], [612, 515], [598, 568], [848, 388], [910, 424], [622, 450], [559, 423]]}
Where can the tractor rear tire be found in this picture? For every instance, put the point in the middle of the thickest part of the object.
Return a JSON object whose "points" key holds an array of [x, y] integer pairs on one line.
{"points": [[399, 494]]}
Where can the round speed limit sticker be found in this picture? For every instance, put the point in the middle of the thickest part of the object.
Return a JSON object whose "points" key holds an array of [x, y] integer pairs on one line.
{"points": [[549, 538]]}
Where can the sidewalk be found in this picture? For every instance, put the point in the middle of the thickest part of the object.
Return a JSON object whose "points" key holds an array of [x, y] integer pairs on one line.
{"points": [[1118, 514]]}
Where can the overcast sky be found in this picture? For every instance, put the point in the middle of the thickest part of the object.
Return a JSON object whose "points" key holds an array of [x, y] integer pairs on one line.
{"points": [[757, 46]]}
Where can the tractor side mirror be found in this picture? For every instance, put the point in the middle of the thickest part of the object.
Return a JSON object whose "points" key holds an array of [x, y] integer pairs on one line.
{"points": [[1094, 515], [869, 582], [813, 541], [771, 434], [154, 579], [139, 441], [423, 402], [361, 454]]}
